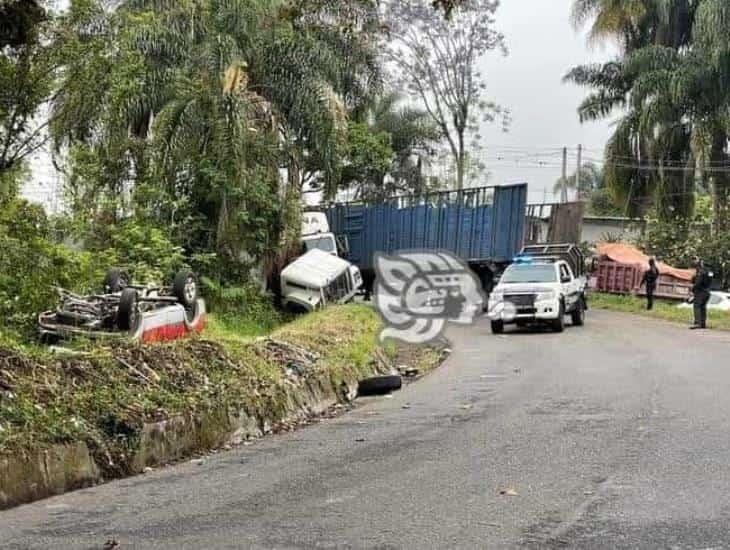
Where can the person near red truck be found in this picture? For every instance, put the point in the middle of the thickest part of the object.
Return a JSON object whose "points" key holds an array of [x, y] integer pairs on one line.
{"points": [[649, 279], [701, 284]]}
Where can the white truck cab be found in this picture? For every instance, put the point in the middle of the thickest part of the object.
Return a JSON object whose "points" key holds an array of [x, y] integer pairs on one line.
{"points": [[316, 234], [317, 279], [540, 287]]}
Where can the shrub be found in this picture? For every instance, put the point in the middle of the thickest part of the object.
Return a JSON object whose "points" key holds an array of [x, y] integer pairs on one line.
{"points": [[32, 265]]}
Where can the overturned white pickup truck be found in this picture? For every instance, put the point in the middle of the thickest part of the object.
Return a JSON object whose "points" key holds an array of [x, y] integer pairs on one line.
{"points": [[317, 279]]}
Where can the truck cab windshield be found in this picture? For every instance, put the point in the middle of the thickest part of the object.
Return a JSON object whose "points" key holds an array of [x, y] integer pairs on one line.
{"points": [[325, 243], [530, 273]]}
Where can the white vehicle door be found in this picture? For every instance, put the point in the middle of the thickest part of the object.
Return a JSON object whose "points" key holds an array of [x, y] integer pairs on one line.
{"points": [[569, 285]]}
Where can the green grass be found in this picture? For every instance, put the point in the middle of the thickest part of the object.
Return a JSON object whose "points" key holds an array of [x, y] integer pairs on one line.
{"points": [[104, 394], [663, 309]]}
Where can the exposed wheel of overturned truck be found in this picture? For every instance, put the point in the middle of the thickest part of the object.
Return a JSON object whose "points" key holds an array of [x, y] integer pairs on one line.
{"points": [[379, 385], [115, 280], [185, 288], [127, 312]]}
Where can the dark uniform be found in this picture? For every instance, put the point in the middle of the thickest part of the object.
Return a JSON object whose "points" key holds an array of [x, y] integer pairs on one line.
{"points": [[701, 291], [650, 279]]}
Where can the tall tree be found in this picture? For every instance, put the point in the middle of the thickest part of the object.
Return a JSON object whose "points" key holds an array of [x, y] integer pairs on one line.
{"points": [[27, 73], [197, 104], [649, 154], [436, 60], [591, 179]]}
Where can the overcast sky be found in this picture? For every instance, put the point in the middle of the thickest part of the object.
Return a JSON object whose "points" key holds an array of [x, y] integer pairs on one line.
{"points": [[543, 46]]}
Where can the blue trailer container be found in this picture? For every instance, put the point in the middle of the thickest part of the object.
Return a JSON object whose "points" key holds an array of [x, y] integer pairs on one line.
{"points": [[483, 226]]}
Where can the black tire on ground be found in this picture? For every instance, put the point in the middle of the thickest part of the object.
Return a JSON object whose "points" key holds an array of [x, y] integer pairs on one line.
{"points": [[559, 323], [379, 385], [497, 327], [116, 280], [185, 288], [578, 315], [127, 314]]}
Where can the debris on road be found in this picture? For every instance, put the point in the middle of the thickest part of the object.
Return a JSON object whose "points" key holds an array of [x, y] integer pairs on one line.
{"points": [[407, 371], [379, 385], [509, 492]]}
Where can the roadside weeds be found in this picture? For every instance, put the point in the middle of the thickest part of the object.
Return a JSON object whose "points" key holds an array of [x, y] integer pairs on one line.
{"points": [[73, 421], [663, 310]]}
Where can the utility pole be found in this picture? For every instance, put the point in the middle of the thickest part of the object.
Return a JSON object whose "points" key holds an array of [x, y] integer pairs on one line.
{"points": [[577, 173], [564, 191]]}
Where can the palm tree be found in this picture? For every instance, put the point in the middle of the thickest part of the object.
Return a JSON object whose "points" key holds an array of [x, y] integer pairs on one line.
{"points": [[650, 151], [591, 179], [212, 97], [413, 137]]}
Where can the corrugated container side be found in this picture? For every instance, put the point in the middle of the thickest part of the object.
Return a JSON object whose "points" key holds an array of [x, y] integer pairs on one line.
{"points": [[476, 224]]}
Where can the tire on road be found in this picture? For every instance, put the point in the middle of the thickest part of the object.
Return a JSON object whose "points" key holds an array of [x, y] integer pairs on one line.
{"points": [[497, 327], [559, 323], [578, 315], [379, 385]]}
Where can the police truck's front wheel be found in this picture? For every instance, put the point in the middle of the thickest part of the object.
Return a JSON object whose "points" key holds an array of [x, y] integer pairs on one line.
{"points": [[559, 323], [497, 327]]}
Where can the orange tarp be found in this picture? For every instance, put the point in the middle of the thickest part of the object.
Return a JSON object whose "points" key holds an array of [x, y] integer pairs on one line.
{"points": [[628, 254]]}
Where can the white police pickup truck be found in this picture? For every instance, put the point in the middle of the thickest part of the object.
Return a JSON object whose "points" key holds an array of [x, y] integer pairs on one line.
{"points": [[543, 285]]}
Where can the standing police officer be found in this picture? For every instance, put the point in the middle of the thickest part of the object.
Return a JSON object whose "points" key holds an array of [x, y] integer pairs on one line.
{"points": [[701, 293], [650, 279]]}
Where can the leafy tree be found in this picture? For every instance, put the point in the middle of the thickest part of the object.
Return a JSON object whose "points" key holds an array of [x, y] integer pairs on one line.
{"points": [[591, 179], [414, 139], [27, 71], [397, 140], [436, 61], [670, 80], [202, 103], [369, 157], [19, 20]]}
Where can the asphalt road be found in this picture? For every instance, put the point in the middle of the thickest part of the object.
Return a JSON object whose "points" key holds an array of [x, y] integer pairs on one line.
{"points": [[614, 435]]}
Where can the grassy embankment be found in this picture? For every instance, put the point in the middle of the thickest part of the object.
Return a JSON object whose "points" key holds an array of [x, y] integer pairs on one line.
{"points": [[103, 394], [663, 309]]}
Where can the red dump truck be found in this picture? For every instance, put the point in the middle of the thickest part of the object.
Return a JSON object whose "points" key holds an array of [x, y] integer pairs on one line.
{"points": [[620, 267]]}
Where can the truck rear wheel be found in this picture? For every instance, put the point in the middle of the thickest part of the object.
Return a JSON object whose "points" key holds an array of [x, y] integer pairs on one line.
{"points": [[497, 327], [578, 315]]}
